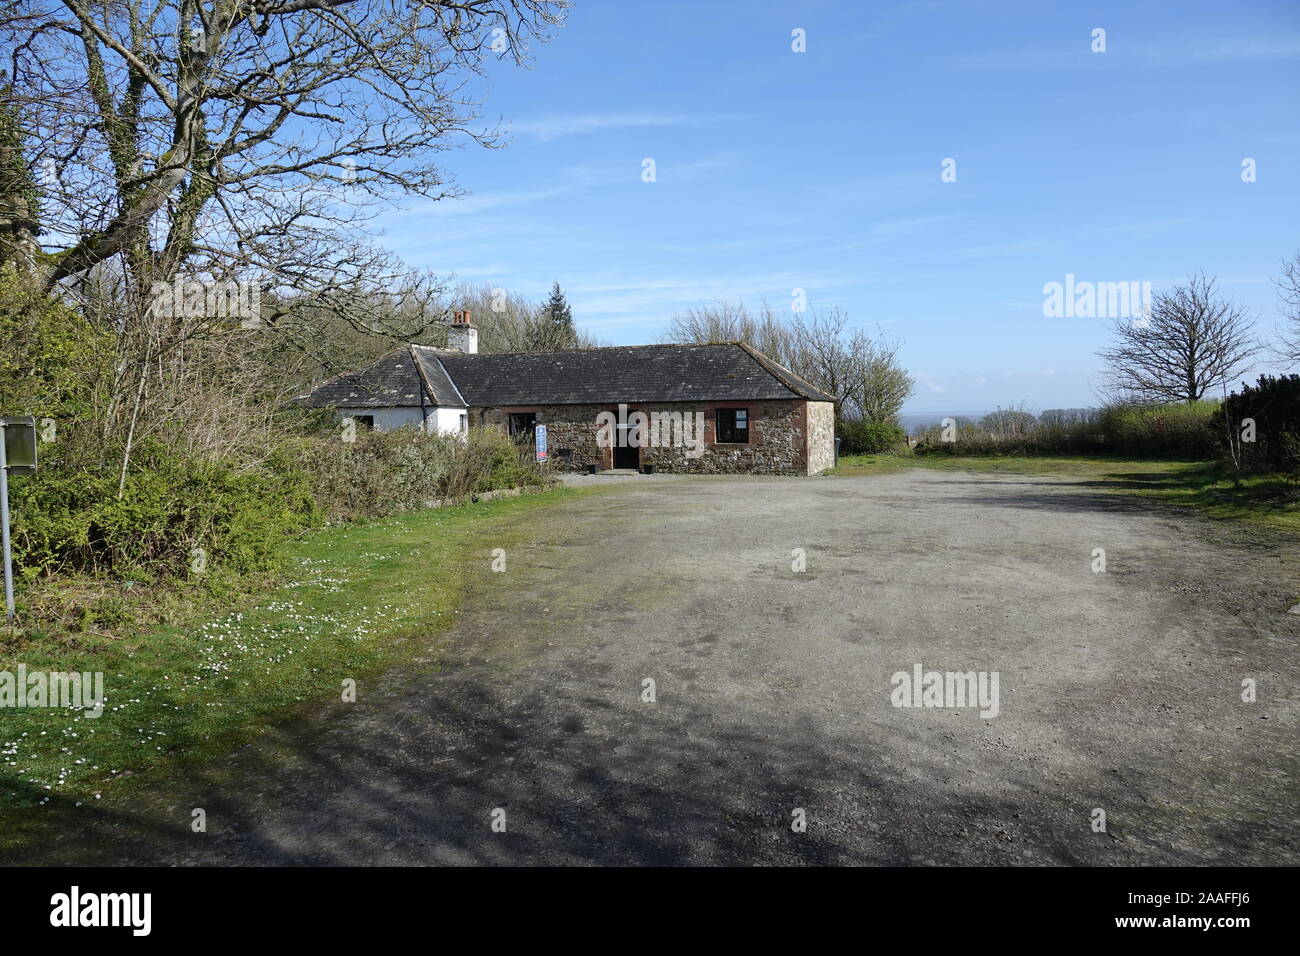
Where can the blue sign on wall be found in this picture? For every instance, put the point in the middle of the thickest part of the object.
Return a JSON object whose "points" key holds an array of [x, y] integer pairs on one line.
{"points": [[540, 432]]}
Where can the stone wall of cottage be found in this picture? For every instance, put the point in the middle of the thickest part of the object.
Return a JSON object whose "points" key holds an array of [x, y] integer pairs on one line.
{"points": [[568, 427], [821, 436], [777, 437]]}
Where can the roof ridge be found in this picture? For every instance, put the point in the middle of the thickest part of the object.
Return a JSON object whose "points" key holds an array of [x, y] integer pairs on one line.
{"points": [[594, 348]]}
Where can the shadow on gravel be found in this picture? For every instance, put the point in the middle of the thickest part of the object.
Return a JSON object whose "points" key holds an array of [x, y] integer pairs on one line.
{"points": [[1138, 479], [422, 791], [1052, 499]]}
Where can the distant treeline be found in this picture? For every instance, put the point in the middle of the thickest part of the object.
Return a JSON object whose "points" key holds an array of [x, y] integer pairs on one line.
{"points": [[1256, 430]]}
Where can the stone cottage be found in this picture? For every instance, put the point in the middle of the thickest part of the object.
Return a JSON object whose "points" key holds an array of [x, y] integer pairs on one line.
{"points": [[713, 409]]}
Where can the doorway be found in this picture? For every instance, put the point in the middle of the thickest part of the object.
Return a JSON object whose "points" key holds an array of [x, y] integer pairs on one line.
{"points": [[625, 456], [521, 426]]}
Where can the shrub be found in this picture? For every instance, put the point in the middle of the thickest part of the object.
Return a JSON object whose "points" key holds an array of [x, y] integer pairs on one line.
{"points": [[383, 473], [72, 520], [1179, 430], [489, 460], [1004, 432], [1274, 404], [1009, 422], [862, 437], [1176, 430], [1071, 431], [65, 520], [377, 474], [51, 355]]}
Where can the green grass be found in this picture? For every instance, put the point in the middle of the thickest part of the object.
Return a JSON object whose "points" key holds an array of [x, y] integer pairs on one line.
{"points": [[355, 599], [1264, 500]]}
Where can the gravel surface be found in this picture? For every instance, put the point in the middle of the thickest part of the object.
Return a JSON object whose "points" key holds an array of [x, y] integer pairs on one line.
{"points": [[1119, 691]]}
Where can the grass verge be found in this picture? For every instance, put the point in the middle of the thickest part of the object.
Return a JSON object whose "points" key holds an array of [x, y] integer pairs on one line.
{"points": [[355, 599], [1268, 500]]}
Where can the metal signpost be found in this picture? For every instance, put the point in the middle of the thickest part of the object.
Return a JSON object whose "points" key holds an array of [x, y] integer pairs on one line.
{"points": [[17, 457]]}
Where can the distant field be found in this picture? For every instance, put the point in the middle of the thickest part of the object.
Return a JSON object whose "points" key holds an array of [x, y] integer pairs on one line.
{"points": [[1266, 500]]}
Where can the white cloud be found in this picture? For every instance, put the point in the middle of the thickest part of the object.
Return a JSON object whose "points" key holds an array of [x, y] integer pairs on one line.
{"points": [[645, 303], [1011, 247], [552, 127], [479, 203], [629, 170], [701, 167]]}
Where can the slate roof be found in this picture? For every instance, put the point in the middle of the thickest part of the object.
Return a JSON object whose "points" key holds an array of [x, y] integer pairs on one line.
{"points": [[635, 373], [390, 381], [441, 389]]}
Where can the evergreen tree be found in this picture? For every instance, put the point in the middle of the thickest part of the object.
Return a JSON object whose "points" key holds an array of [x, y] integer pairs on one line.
{"points": [[561, 316]]}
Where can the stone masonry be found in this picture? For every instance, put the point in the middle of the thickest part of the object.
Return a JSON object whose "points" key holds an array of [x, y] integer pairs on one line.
{"points": [[779, 434], [821, 436]]}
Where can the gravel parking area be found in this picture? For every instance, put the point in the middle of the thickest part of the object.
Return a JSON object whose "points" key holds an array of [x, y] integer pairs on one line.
{"points": [[774, 697]]}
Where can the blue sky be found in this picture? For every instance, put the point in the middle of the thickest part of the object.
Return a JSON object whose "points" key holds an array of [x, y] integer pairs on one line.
{"points": [[820, 170]]}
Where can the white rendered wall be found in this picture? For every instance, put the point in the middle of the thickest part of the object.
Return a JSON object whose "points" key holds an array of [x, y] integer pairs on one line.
{"points": [[387, 419], [436, 420], [444, 421]]}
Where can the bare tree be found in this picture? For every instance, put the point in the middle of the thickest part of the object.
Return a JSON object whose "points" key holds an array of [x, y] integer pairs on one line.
{"points": [[886, 385], [1013, 422], [510, 322], [223, 140], [181, 128], [1288, 286], [733, 322], [821, 353], [863, 374], [1189, 343], [416, 309]]}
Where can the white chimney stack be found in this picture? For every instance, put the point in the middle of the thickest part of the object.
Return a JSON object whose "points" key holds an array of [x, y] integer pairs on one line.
{"points": [[462, 336]]}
